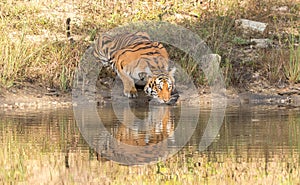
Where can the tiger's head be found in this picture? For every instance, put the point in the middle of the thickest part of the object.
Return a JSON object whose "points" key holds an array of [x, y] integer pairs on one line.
{"points": [[161, 86]]}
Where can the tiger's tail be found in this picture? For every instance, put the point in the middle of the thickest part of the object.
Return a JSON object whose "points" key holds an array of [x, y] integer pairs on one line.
{"points": [[68, 30]]}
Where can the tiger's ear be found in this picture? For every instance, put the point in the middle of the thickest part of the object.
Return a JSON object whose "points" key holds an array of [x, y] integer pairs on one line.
{"points": [[144, 76]]}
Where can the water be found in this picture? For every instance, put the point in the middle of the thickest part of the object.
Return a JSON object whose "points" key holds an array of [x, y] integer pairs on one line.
{"points": [[49, 142], [259, 132]]}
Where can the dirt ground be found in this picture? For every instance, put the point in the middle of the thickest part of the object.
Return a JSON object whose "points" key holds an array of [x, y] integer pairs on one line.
{"points": [[29, 96], [32, 96]]}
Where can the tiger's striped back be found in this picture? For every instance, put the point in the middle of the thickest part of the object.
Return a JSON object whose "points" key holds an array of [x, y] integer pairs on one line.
{"points": [[149, 57], [106, 45]]}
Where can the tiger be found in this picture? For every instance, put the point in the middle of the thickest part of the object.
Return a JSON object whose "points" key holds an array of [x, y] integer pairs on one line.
{"points": [[138, 59]]}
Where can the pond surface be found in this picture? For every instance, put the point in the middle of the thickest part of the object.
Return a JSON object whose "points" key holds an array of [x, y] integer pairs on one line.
{"points": [[260, 144]]}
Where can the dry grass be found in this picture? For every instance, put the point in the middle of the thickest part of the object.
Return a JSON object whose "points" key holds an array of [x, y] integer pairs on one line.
{"points": [[34, 46], [35, 49]]}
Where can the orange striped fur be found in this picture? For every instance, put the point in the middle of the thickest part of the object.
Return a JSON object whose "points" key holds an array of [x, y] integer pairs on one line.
{"points": [[136, 58]]}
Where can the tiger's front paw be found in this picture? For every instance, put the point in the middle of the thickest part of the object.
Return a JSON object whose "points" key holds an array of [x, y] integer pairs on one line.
{"points": [[132, 93]]}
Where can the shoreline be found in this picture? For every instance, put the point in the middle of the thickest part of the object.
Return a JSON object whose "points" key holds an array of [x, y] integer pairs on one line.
{"points": [[32, 97]]}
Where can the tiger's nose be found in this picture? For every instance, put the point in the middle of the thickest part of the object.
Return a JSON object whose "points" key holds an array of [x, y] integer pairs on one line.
{"points": [[166, 99]]}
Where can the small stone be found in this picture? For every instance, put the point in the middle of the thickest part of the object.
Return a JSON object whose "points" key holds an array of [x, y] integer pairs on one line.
{"points": [[261, 43], [281, 8], [249, 25]]}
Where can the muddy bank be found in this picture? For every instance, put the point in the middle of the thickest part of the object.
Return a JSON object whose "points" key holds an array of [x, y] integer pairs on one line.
{"points": [[33, 97], [30, 96]]}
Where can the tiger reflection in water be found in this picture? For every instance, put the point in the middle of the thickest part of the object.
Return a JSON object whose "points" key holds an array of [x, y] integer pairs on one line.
{"points": [[159, 125], [139, 136]]}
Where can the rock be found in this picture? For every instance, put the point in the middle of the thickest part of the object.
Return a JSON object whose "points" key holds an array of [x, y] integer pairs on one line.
{"points": [[248, 25], [281, 8], [51, 90], [261, 43], [290, 91], [14, 91], [295, 99]]}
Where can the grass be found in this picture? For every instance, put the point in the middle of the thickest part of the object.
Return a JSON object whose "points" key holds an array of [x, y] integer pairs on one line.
{"points": [[283, 64], [35, 48], [292, 67], [52, 64]]}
